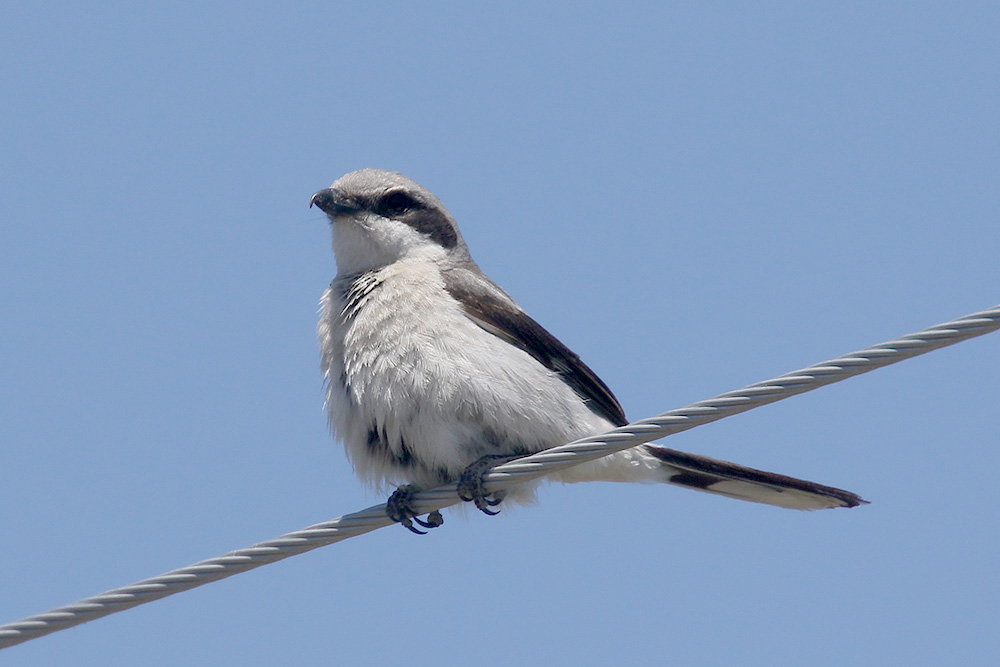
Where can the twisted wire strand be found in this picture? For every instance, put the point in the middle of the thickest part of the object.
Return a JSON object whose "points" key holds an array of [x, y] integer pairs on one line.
{"points": [[521, 470]]}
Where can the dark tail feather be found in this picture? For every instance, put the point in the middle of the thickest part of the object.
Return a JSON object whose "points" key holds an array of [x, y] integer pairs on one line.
{"points": [[758, 486]]}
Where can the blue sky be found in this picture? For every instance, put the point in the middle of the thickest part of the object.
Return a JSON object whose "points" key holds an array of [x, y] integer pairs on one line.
{"points": [[693, 197]]}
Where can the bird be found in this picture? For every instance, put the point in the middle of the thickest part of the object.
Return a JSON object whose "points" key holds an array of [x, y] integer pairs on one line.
{"points": [[434, 374]]}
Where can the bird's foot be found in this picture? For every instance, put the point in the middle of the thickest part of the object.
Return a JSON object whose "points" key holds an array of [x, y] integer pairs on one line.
{"points": [[470, 483], [398, 509]]}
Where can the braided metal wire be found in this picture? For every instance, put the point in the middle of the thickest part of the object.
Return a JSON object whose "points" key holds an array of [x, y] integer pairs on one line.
{"points": [[521, 470]]}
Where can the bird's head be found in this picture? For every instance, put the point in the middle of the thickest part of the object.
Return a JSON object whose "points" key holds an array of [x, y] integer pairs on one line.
{"points": [[380, 217]]}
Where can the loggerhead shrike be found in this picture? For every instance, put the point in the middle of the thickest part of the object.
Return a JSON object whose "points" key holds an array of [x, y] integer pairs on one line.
{"points": [[435, 374]]}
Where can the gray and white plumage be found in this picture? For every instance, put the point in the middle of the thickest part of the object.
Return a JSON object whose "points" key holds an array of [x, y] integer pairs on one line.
{"points": [[430, 365]]}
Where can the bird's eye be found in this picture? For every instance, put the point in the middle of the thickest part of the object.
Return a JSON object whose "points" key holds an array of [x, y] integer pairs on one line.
{"points": [[398, 202]]}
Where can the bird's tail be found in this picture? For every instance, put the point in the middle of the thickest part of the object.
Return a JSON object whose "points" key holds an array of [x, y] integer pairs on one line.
{"points": [[652, 463]]}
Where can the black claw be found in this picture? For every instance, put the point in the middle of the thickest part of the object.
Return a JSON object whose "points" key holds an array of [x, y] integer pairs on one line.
{"points": [[434, 519], [470, 485], [409, 526], [399, 510], [484, 503]]}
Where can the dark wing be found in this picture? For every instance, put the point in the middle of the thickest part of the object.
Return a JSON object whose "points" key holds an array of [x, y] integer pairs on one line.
{"points": [[493, 310]]}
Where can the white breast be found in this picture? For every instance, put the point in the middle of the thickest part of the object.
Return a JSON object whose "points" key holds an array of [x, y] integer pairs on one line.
{"points": [[417, 391]]}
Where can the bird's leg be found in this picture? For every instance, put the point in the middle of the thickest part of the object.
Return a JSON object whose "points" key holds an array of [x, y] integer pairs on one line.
{"points": [[470, 483], [398, 509]]}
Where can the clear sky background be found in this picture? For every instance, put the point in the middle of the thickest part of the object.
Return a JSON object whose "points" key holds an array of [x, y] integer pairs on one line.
{"points": [[693, 197]]}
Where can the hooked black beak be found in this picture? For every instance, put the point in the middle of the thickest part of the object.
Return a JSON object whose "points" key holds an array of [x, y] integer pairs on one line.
{"points": [[331, 202]]}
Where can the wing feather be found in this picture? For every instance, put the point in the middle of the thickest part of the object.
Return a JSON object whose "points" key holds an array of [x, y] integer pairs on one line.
{"points": [[496, 312]]}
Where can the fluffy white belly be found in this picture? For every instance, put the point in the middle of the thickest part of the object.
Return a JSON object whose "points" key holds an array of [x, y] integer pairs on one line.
{"points": [[417, 390]]}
